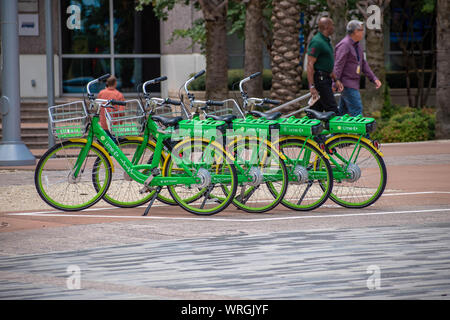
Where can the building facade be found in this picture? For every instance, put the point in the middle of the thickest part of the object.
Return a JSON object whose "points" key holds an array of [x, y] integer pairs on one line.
{"points": [[95, 37]]}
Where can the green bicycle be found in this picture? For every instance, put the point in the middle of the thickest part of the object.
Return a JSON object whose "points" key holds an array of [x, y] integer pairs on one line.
{"points": [[359, 171], [262, 173], [76, 173]]}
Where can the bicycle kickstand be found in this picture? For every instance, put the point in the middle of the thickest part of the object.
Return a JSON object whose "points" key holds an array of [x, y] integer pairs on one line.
{"points": [[158, 190]]}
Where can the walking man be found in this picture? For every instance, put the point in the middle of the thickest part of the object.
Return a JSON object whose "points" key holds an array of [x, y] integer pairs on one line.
{"points": [[349, 63], [320, 68]]}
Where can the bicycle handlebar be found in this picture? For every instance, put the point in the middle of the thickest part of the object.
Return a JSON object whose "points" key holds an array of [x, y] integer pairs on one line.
{"points": [[270, 101], [190, 80], [199, 74], [252, 76], [153, 81], [174, 102], [214, 103], [117, 102], [102, 78], [255, 75]]}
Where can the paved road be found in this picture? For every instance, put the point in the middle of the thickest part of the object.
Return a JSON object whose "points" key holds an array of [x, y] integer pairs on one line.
{"points": [[397, 249]]}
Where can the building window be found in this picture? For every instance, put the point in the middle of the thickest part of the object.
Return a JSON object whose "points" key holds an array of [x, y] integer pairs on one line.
{"points": [[411, 44], [108, 36]]}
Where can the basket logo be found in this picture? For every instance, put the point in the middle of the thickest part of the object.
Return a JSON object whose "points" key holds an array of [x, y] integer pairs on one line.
{"points": [[102, 138]]}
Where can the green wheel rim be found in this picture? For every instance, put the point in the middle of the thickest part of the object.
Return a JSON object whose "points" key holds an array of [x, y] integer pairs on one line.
{"points": [[379, 189], [53, 202]]}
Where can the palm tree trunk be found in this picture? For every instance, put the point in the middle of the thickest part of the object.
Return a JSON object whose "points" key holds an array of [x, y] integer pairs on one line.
{"points": [[443, 67], [373, 98], [338, 13], [215, 15], [285, 51], [254, 47]]}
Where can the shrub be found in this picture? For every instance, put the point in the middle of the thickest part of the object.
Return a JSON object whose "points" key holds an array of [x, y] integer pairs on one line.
{"points": [[406, 124]]}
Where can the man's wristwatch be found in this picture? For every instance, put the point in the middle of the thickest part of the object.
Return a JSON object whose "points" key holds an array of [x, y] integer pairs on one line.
{"points": [[311, 86]]}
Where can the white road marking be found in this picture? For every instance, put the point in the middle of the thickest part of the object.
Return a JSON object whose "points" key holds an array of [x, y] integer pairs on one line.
{"points": [[318, 216]]}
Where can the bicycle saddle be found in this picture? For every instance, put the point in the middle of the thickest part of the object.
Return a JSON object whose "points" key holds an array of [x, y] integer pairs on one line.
{"points": [[324, 116], [267, 115], [227, 118], [168, 122]]}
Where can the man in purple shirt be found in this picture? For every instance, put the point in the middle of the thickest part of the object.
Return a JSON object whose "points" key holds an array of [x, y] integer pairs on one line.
{"points": [[348, 65]]}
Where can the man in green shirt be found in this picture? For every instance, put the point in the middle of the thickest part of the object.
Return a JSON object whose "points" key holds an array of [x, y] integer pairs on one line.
{"points": [[320, 68]]}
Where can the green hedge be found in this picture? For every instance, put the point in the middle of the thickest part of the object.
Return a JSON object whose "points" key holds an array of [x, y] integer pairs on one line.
{"points": [[405, 124]]}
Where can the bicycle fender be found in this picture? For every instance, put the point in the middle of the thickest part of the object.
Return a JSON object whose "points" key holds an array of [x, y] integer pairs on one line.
{"points": [[95, 144], [269, 144], [311, 141], [367, 141]]}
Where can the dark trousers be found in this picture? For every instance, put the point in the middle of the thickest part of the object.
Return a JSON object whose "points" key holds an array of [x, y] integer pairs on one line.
{"points": [[323, 84]]}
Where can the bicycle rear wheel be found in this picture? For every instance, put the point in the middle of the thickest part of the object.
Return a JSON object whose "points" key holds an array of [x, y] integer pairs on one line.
{"points": [[310, 175], [56, 184], [360, 174], [263, 176]]}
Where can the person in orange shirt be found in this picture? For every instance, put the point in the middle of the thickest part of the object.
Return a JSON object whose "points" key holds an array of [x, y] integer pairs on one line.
{"points": [[110, 92]]}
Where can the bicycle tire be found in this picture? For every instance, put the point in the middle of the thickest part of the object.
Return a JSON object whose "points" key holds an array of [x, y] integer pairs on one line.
{"points": [[262, 196], [369, 184], [209, 194], [56, 165], [310, 178]]}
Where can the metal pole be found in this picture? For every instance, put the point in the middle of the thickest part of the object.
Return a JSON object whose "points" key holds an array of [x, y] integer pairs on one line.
{"points": [[50, 68], [13, 152]]}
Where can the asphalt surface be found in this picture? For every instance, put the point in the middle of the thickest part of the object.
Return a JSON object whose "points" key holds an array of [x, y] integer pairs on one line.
{"points": [[399, 248]]}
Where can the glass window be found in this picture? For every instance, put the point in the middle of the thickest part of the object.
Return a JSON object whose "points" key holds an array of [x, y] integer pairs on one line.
{"points": [[135, 31], [133, 72], [85, 26], [78, 72], [88, 40]]}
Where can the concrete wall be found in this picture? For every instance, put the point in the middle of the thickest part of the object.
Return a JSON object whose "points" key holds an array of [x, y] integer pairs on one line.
{"points": [[178, 61], [33, 69], [33, 65]]}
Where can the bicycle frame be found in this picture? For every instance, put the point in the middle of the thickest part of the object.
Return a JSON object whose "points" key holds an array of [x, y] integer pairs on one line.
{"points": [[131, 168]]}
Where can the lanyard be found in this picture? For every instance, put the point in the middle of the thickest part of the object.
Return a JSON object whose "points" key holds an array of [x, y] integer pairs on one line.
{"points": [[357, 52]]}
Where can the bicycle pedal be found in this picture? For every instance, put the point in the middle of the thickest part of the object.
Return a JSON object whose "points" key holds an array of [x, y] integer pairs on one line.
{"points": [[155, 172]]}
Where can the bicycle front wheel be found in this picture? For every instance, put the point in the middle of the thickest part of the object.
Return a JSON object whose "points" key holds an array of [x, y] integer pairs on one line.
{"points": [[57, 184], [359, 172]]}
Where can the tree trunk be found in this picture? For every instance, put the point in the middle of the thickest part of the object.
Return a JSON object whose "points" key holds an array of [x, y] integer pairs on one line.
{"points": [[254, 47], [215, 15], [285, 51], [443, 67], [338, 13], [373, 98]]}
